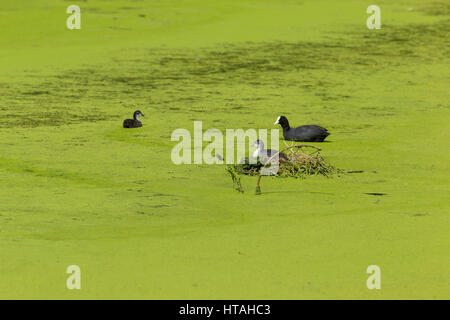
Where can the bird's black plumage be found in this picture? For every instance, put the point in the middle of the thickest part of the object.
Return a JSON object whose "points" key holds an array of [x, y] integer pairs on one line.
{"points": [[307, 133], [133, 123]]}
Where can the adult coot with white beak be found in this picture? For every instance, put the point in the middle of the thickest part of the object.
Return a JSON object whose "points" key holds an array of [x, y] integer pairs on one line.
{"points": [[307, 133]]}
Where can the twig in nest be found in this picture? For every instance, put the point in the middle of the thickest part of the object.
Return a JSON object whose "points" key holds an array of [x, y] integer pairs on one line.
{"points": [[293, 156], [236, 179]]}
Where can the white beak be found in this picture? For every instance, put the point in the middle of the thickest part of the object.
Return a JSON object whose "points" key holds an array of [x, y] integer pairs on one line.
{"points": [[278, 121]]}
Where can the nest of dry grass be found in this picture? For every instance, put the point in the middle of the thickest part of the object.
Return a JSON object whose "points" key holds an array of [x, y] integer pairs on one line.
{"points": [[303, 160], [301, 165]]}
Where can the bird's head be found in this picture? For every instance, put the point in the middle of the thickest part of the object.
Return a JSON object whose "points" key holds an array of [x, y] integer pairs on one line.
{"points": [[283, 121], [137, 114], [258, 144]]}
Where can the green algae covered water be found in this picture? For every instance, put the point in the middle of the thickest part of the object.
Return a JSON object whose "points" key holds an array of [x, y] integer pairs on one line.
{"points": [[78, 189]]}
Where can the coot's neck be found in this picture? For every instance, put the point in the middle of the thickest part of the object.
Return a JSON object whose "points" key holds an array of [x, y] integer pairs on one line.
{"points": [[136, 117], [285, 125]]}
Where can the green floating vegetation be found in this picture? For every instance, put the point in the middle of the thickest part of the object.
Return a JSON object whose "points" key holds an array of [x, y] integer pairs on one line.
{"points": [[300, 164]]}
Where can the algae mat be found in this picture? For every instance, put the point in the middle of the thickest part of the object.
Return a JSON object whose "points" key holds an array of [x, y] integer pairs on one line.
{"points": [[77, 189]]}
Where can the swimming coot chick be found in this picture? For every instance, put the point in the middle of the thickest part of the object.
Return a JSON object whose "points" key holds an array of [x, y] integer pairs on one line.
{"points": [[265, 154], [307, 133], [133, 123]]}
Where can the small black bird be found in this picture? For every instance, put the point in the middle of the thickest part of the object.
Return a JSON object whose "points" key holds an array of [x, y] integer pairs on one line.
{"points": [[133, 123], [308, 133]]}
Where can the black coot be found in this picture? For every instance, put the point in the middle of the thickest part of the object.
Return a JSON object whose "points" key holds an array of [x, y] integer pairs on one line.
{"points": [[133, 123], [308, 133]]}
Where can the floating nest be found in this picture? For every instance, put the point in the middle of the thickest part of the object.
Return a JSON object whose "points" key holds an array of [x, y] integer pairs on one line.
{"points": [[302, 162]]}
